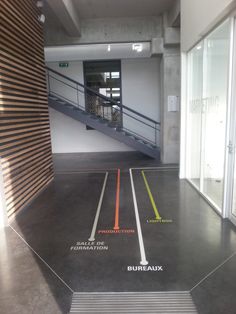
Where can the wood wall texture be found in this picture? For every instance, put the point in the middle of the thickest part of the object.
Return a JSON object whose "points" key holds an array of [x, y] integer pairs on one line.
{"points": [[25, 142]]}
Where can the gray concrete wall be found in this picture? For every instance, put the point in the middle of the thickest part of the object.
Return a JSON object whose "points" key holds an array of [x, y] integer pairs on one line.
{"points": [[170, 85], [105, 30]]}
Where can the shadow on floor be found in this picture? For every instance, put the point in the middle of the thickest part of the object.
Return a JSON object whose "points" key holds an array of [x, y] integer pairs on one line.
{"points": [[27, 285]]}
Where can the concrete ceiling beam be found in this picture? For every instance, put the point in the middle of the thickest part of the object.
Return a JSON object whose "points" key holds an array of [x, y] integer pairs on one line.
{"points": [[68, 16], [173, 16]]}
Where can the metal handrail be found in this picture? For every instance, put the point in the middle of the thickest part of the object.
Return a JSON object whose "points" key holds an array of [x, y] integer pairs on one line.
{"points": [[102, 96], [66, 99], [95, 105]]}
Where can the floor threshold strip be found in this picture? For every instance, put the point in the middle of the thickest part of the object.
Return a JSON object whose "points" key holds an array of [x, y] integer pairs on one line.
{"points": [[133, 302]]}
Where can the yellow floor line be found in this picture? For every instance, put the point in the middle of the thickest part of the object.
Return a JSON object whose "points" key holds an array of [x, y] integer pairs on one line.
{"points": [[158, 217]]}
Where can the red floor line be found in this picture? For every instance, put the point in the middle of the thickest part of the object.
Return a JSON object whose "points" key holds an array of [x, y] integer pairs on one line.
{"points": [[116, 226]]}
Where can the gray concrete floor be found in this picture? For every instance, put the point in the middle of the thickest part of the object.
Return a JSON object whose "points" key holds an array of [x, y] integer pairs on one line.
{"points": [[197, 249]]}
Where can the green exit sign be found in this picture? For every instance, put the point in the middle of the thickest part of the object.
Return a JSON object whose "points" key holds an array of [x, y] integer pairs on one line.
{"points": [[63, 64]]}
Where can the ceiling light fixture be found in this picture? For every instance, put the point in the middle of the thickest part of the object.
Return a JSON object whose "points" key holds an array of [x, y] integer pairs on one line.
{"points": [[137, 47], [41, 18], [109, 48], [199, 47]]}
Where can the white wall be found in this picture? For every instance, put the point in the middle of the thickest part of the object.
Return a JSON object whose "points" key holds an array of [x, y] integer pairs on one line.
{"points": [[140, 91], [71, 136], [74, 71], [199, 16]]}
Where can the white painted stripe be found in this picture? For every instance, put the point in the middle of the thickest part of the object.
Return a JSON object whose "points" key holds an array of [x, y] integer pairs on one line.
{"points": [[42, 259], [102, 171], [156, 168], [94, 229], [139, 229], [80, 172]]}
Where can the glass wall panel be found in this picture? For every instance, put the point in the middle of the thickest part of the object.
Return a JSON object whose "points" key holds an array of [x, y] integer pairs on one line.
{"points": [[208, 72], [215, 90], [194, 123], [234, 190]]}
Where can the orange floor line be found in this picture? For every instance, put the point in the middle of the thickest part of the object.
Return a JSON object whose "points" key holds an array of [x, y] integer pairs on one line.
{"points": [[116, 226]]}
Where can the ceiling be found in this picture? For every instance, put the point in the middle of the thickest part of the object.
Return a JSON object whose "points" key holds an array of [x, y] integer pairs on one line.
{"points": [[96, 52], [121, 8]]}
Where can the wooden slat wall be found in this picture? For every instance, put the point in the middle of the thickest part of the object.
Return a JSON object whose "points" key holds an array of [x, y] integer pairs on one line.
{"points": [[25, 142]]}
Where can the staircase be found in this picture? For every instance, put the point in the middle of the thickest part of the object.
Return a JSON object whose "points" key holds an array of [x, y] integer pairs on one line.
{"points": [[103, 114]]}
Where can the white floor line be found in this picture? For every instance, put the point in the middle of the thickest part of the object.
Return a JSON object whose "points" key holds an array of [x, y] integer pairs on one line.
{"points": [[94, 229], [102, 171], [42, 260], [139, 229], [80, 172], [156, 168], [213, 271]]}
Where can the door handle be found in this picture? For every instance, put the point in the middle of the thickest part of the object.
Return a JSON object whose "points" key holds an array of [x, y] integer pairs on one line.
{"points": [[231, 148]]}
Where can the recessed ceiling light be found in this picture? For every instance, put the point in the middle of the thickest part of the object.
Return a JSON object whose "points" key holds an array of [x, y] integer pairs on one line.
{"points": [[199, 47], [41, 18], [137, 47], [109, 48]]}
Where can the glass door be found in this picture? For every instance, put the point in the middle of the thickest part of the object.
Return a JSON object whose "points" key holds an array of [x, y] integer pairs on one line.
{"points": [[214, 102], [231, 195], [104, 77], [233, 208], [194, 121]]}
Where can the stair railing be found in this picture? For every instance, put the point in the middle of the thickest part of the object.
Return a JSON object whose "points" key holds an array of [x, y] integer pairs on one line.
{"points": [[117, 115]]}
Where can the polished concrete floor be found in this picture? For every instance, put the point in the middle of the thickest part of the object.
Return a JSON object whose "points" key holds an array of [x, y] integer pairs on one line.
{"points": [[213, 189], [190, 249]]}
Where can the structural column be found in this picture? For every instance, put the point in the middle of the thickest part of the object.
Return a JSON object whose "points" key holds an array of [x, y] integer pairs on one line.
{"points": [[170, 115]]}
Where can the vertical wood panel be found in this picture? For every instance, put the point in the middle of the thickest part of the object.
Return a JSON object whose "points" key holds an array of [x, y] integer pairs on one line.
{"points": [[25, 141]]}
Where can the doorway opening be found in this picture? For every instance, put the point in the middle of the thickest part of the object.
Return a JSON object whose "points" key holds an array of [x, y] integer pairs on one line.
{"points": [[104, 77]]}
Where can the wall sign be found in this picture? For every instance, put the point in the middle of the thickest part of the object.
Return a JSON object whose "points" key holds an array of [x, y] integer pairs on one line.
{"points": [[63, 64]]}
